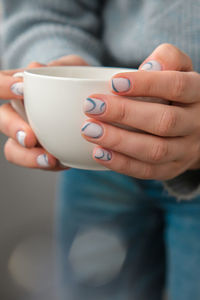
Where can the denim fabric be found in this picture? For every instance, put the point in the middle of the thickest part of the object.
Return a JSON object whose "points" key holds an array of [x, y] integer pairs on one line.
{"points": [[143, 241]]}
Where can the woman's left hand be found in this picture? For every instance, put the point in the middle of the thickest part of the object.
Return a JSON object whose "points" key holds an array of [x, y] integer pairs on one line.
{"points": [[169, 143]]}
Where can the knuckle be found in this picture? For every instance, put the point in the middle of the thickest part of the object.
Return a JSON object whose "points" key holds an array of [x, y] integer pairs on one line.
{"points": [[124, 166], [78, 59], [159, 151], [147, 172], [175, 56], [148, 88], [167, 123], [174, 53], [122, 112], [34, 64], [170, 49], [115, 142], [166, 46], [178, 86], [73, 56]]}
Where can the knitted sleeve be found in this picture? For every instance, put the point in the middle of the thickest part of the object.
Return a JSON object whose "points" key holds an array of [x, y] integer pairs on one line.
{"points": [[185, 186], [38, 30]]}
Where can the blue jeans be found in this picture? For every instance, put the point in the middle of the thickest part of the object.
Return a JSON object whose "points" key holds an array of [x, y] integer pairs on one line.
{"points": [[122, 238]]}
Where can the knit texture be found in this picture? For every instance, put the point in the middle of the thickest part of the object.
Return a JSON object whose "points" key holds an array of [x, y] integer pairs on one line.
{"points": [[109, 32]]}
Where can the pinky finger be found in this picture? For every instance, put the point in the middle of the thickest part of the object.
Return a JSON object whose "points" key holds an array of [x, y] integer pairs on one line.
{"points": [[35, 158], [132, 167]]}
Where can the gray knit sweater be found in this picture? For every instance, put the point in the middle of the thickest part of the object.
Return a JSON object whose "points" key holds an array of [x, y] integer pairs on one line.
{"points": [[107, 32]]}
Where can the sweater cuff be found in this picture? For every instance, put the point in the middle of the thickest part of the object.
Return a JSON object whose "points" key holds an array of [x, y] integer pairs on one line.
{"points": [[47, 45], [185, 186], [39, 53]]}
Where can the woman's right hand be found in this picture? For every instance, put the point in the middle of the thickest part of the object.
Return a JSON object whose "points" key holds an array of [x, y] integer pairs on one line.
{"points": [[22, 147]]}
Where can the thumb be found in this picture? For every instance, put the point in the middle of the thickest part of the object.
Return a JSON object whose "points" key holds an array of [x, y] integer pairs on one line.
{"points": [[167, 57]]}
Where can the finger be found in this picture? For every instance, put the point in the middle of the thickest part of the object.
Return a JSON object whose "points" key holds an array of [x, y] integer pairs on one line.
{"points": [[35, 64], [144, 147], [10, 87], [132, 167], [167, 57], [21, 70], [30, 158], [12, 125], [183, 87], [11, 72], [154, 118], [70, 60]]}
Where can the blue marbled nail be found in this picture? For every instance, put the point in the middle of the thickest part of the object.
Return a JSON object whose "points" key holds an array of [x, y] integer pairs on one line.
{"points": [[92, 130], [18, 88], [121, 85], [94, 106], [151, 65], [102, 154]]}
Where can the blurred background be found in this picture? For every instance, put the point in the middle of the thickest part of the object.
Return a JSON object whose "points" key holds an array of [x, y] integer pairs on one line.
{"points": [[26, 232]]}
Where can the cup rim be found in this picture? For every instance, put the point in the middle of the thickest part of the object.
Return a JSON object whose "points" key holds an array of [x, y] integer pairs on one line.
{"points": [[33, 72]]}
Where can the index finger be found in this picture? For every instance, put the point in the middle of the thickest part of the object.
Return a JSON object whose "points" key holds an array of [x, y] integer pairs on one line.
{"points": [[154, 118], [183, 87]]}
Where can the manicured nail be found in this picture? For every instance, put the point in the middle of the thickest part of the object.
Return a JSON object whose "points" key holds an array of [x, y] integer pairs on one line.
{"points": [[94, 106], [121, 85], [18, 88], [21, 135], [102, 154], [151, 65], [19, 75], [42, 161], [92, 130]]}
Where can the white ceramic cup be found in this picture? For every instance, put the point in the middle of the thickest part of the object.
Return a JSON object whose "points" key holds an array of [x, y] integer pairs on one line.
{"points": [[53, 100]]}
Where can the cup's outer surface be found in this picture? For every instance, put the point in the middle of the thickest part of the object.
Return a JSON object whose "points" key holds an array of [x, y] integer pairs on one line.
{"points": [[53, 102], [54, 107]]}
